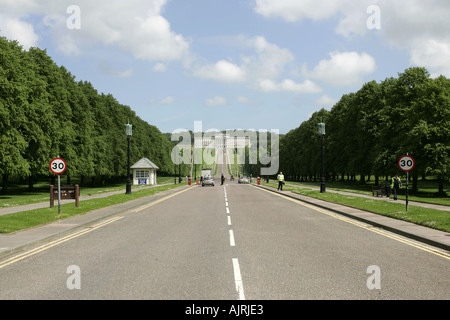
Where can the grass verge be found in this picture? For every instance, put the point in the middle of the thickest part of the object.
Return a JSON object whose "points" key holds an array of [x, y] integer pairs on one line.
{"points": [[27, 219], [432, 218], [19, 195]]}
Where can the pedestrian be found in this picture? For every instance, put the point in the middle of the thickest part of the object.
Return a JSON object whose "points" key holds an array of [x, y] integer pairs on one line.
{"points": [[396, 185], [280, 181], [222, 179]]}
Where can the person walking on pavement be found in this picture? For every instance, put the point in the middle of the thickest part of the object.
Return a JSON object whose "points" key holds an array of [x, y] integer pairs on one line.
{"points": [[222, 180], [396, 184], [280, 181]]}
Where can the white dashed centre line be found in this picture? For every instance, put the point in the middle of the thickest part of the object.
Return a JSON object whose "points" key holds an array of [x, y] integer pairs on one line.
{"points": [[232, 238], [236, 269], [238, 279]]}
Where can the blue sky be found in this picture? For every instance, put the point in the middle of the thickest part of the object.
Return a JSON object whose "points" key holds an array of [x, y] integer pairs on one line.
{"points": [[247, 64]]}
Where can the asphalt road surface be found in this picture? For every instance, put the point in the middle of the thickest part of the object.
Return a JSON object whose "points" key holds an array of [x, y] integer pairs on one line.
{"points": [[228, 242]]}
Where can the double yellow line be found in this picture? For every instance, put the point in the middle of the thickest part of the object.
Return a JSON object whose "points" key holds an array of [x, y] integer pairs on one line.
{"points": [[56, 242], [367, 227]]}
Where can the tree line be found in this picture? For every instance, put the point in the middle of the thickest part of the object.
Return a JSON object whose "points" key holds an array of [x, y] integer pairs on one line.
{"points": [[45, 113], [369, 130]]}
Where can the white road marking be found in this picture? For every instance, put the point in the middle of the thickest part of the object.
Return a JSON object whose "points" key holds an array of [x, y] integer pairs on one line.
{"points": [[236, 269], [238, 279], [232, 238], [57, 242]]}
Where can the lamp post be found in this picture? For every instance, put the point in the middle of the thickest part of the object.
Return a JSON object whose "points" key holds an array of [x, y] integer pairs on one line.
{"points": [[128, 132], [322, 178], [179, 166]]}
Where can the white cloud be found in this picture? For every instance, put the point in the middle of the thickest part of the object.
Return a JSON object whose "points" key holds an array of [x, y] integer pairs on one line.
{"points": [[420, 27], [152, 39], [112, 71], [294, 10], [216, 101], [269, 60], [343, 68], [243, 100], [434, 54], [160, 67], [288, 85], [222, 71], [134, 26], [167, 100], [325, 101], [16, 29], [259, 70]]}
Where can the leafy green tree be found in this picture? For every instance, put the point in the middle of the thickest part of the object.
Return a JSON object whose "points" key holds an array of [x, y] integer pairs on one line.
{"points": [[13, 119]]}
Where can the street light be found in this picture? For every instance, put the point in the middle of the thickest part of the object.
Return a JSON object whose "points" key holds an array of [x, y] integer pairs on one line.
{"points": [[322, 178], [179, 167], [128, 132]]}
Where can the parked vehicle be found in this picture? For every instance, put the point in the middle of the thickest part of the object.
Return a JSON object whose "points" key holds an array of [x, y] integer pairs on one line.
{"points": [[208, 181]]}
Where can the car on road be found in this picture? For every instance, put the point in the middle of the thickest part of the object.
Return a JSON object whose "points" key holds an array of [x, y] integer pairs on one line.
{"points": [[208, 181], [243, 180]]}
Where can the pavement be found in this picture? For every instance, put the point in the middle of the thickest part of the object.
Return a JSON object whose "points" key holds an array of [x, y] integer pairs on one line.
{"points": [[22, 240]]}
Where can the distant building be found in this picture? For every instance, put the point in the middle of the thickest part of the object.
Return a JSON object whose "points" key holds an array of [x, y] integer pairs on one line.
{"points": [[219, 141], [144, 172]]}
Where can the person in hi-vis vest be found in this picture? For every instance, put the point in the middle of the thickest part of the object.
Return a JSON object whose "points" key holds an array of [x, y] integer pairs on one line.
{"points": [[280, 181], [396, 184]]}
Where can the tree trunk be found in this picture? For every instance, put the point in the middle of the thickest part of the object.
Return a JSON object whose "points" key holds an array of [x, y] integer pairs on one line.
{"points": [[363, 179], [5, 177], [441, 186], [30, 183]]}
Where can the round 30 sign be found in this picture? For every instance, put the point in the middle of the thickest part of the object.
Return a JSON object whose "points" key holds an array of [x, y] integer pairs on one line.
{"points": [[58, 166], [406, 163]]}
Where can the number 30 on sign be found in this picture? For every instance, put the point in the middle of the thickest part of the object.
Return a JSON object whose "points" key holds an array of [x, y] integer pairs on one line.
{"points": [[406, 163], [58, 166]]}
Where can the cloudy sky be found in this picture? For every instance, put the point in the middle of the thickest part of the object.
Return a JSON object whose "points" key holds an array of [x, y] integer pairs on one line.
{"points": [[248, 64]]}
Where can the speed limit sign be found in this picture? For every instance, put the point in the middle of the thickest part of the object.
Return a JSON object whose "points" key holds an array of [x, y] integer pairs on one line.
{"points": [[58, 166], [406, 163]]}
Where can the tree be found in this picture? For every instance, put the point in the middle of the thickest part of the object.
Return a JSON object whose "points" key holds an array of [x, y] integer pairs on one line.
{"points": [[13, 103]]}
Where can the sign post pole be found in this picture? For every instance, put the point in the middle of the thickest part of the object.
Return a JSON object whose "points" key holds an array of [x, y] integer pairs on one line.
{"points": [[58, 166], [59, 194], [406, 164]]}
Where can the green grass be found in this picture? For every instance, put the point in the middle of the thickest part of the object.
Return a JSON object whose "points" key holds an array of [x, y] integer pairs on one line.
{"points": [[18, 195], [427, 190], [27, 219], [436, 219]]}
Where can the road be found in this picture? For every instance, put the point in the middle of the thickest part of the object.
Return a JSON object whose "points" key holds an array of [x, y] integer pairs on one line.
{"points": [[227, 242]]}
